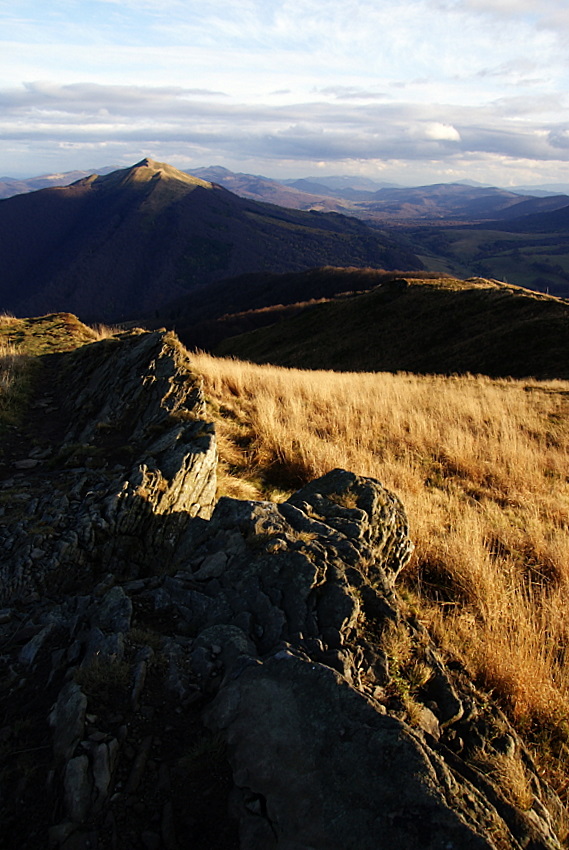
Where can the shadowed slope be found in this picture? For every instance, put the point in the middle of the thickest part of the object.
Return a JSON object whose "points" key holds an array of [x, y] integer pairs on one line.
{"points": [[440, 326]]}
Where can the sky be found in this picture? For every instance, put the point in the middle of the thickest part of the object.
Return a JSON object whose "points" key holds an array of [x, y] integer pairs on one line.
{"points": [[407, 91]]}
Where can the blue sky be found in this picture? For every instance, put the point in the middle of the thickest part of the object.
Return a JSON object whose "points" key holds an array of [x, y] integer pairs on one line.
{"points": [[414, 91]]}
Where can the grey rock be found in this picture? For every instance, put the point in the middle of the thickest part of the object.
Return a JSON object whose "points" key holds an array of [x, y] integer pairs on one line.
{"points": [[212, 567], [334, 773], [68, 720], [29, 652], [78, 788], [27, 463], [101, 773], [102, 648], [114, 612], [133, 517]]}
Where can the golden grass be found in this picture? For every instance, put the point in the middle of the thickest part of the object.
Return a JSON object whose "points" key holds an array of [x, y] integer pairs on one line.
{"points": [[102, 331], [482, 467], [14, 368]]}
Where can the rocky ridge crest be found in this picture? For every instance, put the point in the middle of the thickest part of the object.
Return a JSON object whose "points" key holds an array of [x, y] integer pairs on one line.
{"points": [[166, 659]]}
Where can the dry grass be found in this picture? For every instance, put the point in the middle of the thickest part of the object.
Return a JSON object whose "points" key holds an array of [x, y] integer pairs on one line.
{"points": [[14, 369], [102, 331], [482, 467]]}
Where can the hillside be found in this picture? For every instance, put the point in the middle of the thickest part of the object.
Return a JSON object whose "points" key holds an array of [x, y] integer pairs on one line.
{"points": [[550, 221], [203, 315], [441, 326], [116, 246], [532, 251], [180, 669]]}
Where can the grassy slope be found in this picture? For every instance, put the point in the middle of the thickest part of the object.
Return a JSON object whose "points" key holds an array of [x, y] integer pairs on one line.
{"points": [[440, 326], [22, 343]]}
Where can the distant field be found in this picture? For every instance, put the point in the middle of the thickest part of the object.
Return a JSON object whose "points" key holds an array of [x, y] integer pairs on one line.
{"points": [[535, 260], [482, 467]]}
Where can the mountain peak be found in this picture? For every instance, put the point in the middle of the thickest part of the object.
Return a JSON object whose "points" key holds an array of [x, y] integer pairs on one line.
{"points": [[147, 163], [148, 169]]}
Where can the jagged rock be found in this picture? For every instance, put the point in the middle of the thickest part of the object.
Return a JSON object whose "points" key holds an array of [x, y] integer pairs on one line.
{"points": [[114, 612], [30, 650], [333, 773], [100, 647], [101, 773], [133, 398], [317, 763]]}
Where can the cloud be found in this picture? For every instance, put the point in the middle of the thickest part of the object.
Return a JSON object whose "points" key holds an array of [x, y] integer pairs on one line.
{"points": [[435, 131], [317, 130], [552, 15], [419, 81], [351, 93]]}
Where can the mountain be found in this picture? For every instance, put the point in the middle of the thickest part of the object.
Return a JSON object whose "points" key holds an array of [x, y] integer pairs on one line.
{"points": [[465, 200], [543, 188], [371, 201], [116, 246], [338, 188], [9, 186], [426, 326], [270, 191], [551, 221], [345, 181], [536, 207], [456, 201]]}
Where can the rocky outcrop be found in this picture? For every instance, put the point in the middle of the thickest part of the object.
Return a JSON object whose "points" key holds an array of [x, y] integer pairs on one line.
{"points": [[261, 685], [128, 443]]}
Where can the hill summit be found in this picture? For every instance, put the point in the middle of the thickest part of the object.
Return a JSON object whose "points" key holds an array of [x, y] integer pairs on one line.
{"points": [[123, 244], [143, 172]]}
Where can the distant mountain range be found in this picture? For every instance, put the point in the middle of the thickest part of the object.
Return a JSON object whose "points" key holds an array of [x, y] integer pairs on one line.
{"points": [[116, 246], [466, 201], [10, 186], [145, 240], [387, 203]]}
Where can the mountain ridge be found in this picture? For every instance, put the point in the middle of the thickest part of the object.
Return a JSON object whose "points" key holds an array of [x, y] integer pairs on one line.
{"points": [[441, 326]]}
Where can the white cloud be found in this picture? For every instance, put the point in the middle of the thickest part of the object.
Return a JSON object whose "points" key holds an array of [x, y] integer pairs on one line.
{"points": [[441, 132]]}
